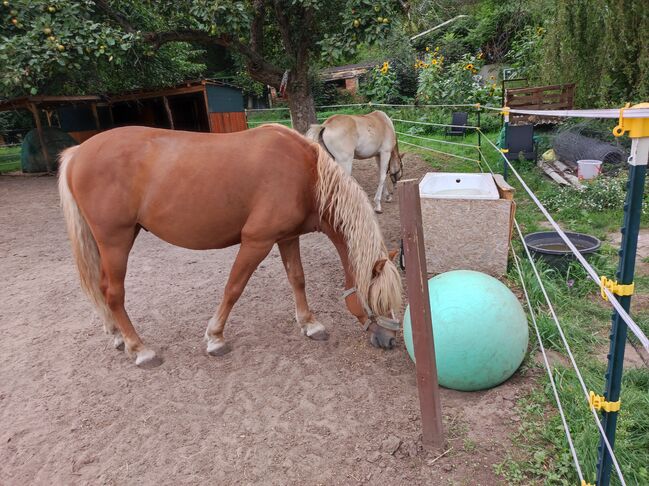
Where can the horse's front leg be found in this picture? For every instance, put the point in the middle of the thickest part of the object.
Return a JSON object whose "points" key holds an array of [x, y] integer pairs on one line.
{"points": [[249, 257], [384, 160], [290, 252]]}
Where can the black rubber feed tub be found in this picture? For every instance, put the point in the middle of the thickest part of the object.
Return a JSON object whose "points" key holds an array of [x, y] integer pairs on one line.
{"points": [[548, 246]]}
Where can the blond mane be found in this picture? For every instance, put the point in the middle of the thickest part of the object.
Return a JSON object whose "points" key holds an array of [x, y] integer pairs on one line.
{"points": [[346, 206]]}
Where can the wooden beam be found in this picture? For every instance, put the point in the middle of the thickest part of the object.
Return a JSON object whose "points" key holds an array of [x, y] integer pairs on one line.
{"points": [[39, 130], [420, 314], [168, 110], [95, 115]]}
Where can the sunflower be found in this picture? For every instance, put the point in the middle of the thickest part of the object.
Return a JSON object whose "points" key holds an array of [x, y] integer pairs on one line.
{"points": [[434, 62], [385, 68], [469, 67]]}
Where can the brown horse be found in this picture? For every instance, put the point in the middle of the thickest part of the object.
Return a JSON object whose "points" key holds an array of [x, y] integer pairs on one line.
{"points": [[204, 191]]}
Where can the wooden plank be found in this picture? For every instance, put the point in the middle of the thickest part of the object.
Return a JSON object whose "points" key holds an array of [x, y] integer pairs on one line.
{"points": [[420, 314], [165, 101], [541, 88], [95, 115], [141, 95], [39, 130]]}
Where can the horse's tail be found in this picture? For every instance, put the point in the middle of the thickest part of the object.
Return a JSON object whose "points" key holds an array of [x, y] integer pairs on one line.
{"points": [[314, 133], [84, 246], [346, 206]]}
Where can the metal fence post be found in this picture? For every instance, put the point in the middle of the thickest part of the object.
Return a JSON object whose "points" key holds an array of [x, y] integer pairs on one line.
{"points": [[639, 132]]}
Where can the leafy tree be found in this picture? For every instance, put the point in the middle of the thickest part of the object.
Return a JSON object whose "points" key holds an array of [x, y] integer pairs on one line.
{"points": [[275, 38], [601, 46]]}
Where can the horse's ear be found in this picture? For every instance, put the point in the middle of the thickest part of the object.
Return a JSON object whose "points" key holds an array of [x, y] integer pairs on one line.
{"points": [[378, 267], [392, 254]]}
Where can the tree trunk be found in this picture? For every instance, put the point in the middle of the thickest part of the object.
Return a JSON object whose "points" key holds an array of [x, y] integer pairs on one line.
{"points": [[300, 100]]}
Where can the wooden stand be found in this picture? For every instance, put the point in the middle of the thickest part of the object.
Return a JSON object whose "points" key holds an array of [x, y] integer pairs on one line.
{"points": [[420, 315]]}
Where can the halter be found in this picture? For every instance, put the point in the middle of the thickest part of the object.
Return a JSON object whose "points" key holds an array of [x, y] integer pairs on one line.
{"points": [[381, 321]]}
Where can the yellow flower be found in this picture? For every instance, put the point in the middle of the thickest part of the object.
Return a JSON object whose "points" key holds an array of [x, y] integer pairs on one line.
{"points": [[474, 71], [434, 62], [427, 49], [468, 67], [480, 55]]}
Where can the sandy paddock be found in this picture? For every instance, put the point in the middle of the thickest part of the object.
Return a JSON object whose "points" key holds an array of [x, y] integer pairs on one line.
{"points": [[278, 409]]}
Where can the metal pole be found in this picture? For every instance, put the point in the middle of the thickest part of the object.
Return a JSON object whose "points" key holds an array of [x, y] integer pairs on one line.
{"points": [[505, 149], [479, 138], [626, 268], [420, 315]]}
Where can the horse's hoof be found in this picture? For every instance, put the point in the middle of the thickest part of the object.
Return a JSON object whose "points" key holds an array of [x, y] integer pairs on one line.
{"points": [[217, 348], [118, 342], [315, 331], [382, 341], [388, 198], [147, 359]]}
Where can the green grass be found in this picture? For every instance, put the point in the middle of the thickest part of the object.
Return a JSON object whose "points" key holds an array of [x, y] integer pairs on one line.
{"points": [[9, 159], [542, 454]]}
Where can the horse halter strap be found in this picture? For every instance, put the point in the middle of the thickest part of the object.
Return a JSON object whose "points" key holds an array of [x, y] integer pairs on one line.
{"points": [[384, 322]]}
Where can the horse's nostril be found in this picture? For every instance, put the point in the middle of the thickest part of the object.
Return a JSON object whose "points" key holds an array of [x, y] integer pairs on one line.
{"points": [[391, 343]]}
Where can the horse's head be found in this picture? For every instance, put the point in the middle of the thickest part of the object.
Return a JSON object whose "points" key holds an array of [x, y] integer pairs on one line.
{"points": [[396, 165], [384, 298]]}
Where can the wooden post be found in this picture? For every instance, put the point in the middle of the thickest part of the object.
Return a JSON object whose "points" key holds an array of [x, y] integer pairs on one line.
{"points": [[420, 315], [39, 130], [95, 115], [168, 110]]}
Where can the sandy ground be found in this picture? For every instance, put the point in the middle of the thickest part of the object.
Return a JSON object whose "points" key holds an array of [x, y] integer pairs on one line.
{"points": [[278, 409]]}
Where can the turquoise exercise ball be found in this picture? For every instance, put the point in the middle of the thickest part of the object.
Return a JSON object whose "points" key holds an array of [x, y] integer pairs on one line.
{"points": [[479, 328]]}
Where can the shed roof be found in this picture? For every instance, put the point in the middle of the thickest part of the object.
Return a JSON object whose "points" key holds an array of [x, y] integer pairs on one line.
{"points": [[347, 71], [45, 102], [24, 102]]}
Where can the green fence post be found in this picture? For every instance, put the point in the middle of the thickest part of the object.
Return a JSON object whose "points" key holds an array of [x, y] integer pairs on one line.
{"points": [[479, 137], [639, 132], [505, 149]]}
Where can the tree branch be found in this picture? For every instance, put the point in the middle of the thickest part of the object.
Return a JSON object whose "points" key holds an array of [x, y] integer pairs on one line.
{"points": [[116, 16], [259, 69], [285, 30]]}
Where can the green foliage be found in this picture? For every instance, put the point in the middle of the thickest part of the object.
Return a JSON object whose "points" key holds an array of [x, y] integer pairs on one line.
{"points": [[67, 47], [526, 51], [602, 193], [601, 46], [459, 82], [362, 21], [380, 85]]}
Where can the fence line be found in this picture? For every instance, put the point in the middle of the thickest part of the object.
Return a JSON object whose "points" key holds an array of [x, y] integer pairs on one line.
{"points": [[573, 452], [434, 124], [570, 355], [437, 151], [589, 269], [437, 140]]}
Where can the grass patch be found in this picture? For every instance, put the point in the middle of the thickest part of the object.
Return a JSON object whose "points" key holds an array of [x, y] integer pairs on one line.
{"points": [[9, 159]]}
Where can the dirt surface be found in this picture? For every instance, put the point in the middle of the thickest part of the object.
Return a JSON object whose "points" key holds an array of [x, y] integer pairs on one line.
{"points": [[278, 409]]}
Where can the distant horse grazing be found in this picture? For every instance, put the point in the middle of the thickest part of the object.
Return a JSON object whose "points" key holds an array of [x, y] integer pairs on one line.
{"points": [[347, 137], [203, 191]]}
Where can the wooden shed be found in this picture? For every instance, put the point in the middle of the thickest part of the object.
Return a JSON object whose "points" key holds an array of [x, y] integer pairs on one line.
{"points": [[202, 106]]}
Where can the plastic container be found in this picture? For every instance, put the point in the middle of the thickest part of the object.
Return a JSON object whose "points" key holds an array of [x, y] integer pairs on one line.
{"points": [[446, 185], [588, 169], [549, 246]]}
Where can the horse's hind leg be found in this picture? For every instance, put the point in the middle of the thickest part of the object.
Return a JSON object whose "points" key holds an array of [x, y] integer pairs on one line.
{"points": [[290, 252], [384, 159], [114, 257], [249, 257]]}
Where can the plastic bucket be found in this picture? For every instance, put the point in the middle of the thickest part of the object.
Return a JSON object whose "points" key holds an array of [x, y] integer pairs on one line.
{"points": [[589, 169]]}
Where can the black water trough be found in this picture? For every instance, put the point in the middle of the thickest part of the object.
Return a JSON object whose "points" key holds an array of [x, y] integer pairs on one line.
{"points": [[548, 246]]}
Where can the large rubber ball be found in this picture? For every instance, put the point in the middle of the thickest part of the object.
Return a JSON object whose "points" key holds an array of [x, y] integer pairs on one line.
{"points": [[479, 328]]}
